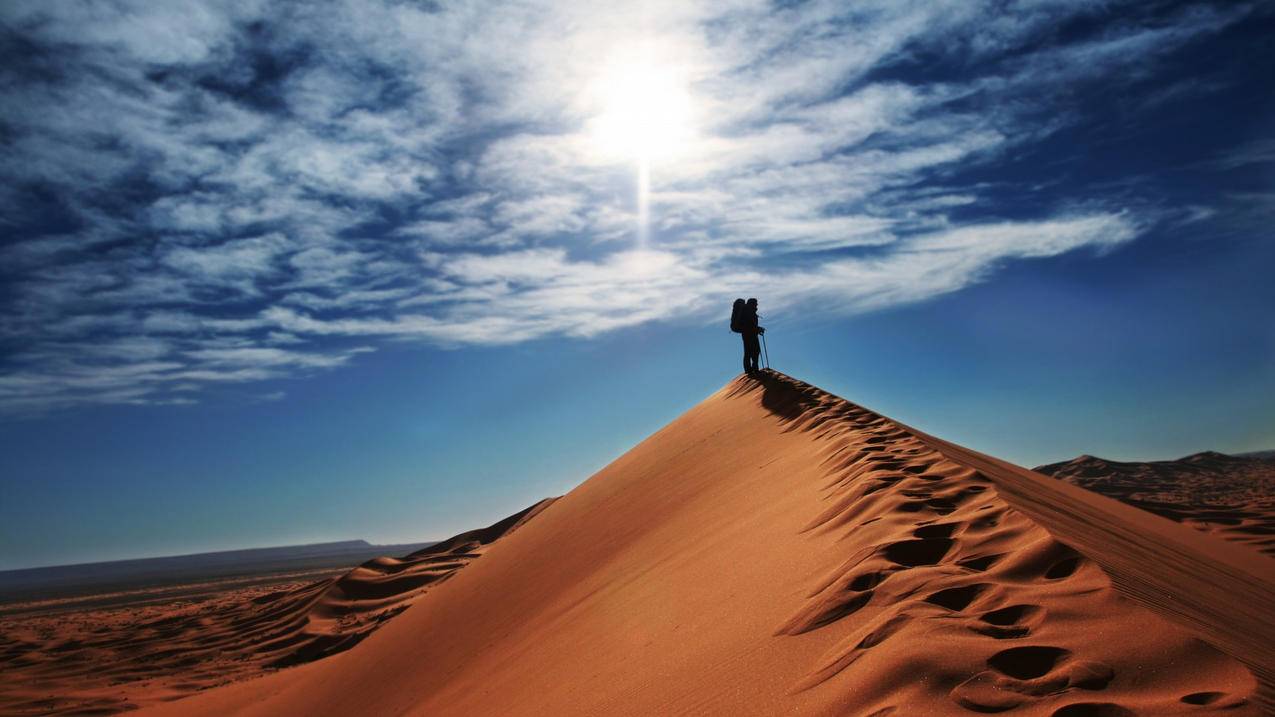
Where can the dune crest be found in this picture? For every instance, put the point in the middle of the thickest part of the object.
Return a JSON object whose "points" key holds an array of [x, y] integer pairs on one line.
{"points": [[948, 562], [344, 611], [779, 550], [116, 659]]}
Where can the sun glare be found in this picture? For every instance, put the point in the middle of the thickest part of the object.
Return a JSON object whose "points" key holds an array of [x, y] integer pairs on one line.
{"points": [[646, 118], [646, 114]]}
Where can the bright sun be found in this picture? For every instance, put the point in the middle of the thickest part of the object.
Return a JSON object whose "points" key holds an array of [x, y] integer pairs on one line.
{"points": [[647, 118], [646, 114]]}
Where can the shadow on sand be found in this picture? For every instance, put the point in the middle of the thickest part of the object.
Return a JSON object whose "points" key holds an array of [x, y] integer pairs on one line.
{"points": [[781, 395]]}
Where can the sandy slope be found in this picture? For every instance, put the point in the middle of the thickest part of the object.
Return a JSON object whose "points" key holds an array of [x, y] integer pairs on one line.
{"points": [[777, 550], [111, 660], [1230, 496]]}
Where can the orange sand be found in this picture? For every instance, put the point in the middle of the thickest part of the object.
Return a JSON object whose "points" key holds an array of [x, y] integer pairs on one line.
{"points": [[110, 660], [777, 550]]}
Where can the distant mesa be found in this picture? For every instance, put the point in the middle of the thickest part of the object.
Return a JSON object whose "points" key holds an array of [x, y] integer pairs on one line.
{"points": [[85, 580]]}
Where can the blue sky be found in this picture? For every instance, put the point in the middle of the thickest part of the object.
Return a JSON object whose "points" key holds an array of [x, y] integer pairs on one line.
{"points": [[276, 272]]}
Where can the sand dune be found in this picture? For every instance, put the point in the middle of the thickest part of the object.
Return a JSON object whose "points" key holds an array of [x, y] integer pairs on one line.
{"points": [[777, 550], [1232, 497], [111, 660]]}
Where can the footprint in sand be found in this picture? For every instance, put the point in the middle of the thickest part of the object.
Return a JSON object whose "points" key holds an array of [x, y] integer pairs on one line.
{"points": [[1092, 709], [1063, 568], [1019, 675], [913, 553], [1009, 622], [1216, 700], [980, 563], [957, 599]]}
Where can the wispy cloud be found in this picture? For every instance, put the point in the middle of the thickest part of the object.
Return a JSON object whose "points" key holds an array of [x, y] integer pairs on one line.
{"points": [[197, 194], [1260, 151]]}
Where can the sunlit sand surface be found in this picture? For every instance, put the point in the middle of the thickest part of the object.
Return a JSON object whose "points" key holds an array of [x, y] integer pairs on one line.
{"points": [[778, 550]]}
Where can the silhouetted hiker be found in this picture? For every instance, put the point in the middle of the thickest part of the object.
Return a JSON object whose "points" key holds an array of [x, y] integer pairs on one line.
{"points": [[743, 320]]}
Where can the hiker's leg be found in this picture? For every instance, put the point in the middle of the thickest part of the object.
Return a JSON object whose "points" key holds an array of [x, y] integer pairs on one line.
{"points": [[747, 367]]}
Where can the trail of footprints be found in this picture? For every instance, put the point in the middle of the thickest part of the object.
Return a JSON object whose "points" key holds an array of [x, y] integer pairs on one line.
{"points": [[970, 561]]}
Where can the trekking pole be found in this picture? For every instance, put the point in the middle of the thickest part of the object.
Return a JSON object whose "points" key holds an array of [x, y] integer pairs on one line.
{"points": [[765, 352]]}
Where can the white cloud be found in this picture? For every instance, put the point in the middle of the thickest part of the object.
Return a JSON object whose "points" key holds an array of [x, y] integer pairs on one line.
{"points": [[1261, 151], [236, 181], [154, 33], [261, 356], [235, 258]]}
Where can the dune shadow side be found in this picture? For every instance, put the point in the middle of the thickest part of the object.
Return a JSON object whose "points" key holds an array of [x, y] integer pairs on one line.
{"points": [[781, 395], [782, 398]]}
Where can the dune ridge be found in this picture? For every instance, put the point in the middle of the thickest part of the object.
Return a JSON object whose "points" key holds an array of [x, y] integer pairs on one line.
{"points": [[779, 550], [341, 612], [107, 661], [977, 569]]}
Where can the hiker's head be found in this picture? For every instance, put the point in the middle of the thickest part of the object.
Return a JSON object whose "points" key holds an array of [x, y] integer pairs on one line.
{"points": [[752, 303]]}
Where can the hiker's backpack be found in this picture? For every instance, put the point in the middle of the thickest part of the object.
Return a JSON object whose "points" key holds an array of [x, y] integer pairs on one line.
{"points": [[737, 317]]}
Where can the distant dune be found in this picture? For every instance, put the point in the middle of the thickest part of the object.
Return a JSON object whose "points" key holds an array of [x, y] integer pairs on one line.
{"points": [[1232, 497], [115, 659], [778, 550]]}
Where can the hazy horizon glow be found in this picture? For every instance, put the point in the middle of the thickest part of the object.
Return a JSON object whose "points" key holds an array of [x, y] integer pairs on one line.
{"points": [[219, 215]]}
